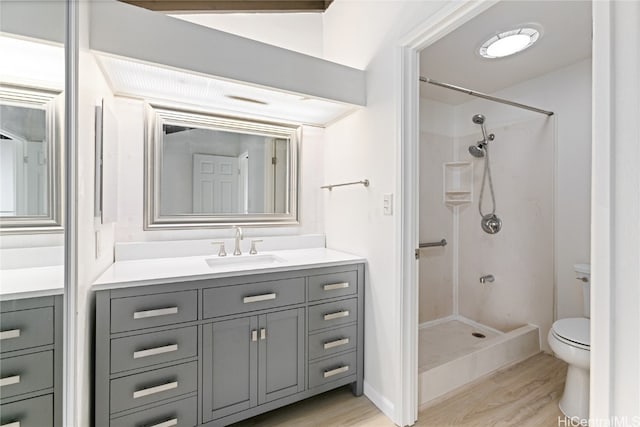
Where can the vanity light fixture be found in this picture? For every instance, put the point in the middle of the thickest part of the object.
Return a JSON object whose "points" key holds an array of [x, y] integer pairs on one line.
{"points": [[509, 42]]}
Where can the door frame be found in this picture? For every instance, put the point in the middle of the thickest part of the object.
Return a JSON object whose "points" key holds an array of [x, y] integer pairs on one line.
{"points": [[447, 19]]}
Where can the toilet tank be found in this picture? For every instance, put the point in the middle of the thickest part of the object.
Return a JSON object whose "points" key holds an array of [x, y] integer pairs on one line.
{"points": [[583, 275]]}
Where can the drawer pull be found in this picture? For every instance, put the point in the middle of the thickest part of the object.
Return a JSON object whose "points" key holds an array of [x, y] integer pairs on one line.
{"points": [[336, 343], [336, 315], [153, 390], [258, 298], [155, 351], [334, 286], [332, 372], [5, 335], [263, 334], [254, 335], [169, 423], [13, 424], [155, 313], [9, 380]]}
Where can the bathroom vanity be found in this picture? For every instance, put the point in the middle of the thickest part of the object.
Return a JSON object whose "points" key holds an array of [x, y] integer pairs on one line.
{"points": [[212, 349], [31, 361]]}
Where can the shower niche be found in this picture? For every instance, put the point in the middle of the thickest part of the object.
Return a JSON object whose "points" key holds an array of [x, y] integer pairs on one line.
{"points": [[457, 183]]}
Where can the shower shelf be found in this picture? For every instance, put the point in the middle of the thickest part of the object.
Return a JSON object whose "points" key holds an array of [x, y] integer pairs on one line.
{"points": [[457, 183]]}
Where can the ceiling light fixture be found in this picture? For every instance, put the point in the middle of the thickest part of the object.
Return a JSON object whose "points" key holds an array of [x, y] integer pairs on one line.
{"points": [[509, 42]]}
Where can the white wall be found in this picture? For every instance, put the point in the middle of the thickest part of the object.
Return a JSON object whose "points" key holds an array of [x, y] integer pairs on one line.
{"points": [[300, 32], [436, 268], [130, 117], [366, 145], [95, 242]]}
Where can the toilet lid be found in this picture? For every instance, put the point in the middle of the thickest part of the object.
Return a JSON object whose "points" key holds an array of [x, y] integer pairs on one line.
{"points": [[573, 329]]}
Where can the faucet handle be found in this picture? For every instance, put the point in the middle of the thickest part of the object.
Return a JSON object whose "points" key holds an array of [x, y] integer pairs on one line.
{"points": [[221, 252], [253, 250]]}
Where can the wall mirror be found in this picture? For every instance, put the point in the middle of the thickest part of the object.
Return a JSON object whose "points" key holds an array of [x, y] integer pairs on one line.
{"points": [[207, 170], [30, 142]]}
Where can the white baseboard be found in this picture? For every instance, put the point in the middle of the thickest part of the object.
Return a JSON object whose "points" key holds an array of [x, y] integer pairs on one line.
{"points": [[381, 402]]}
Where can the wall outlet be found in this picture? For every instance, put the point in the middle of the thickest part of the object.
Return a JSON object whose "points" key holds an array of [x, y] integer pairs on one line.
{"points": [[387, 204]]}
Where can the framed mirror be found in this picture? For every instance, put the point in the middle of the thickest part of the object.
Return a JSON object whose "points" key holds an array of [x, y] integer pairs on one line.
{"points": [[207, 170], [30, 145]]}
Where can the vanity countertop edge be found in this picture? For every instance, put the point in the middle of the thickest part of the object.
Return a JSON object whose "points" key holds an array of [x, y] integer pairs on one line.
{"points": [[35, 282], [157, 271]]}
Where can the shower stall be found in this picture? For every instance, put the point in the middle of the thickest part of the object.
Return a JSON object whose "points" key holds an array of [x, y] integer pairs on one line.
{"points": [[487, 189]]}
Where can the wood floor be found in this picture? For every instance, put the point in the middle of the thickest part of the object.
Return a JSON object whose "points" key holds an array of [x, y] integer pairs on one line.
{"points": [[525, 395]]}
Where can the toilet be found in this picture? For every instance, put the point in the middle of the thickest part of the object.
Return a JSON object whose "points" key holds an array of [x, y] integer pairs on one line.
{"points": [[569, 340]]}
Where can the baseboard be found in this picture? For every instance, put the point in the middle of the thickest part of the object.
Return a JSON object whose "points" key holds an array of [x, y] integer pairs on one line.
{"points": [[381, 402]]}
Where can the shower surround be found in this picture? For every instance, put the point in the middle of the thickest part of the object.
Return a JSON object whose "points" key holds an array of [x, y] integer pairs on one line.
{"points": [[517, 308]]}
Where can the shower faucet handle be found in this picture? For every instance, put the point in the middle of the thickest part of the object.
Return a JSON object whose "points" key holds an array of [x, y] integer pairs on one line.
{"points": [[487, 278]]}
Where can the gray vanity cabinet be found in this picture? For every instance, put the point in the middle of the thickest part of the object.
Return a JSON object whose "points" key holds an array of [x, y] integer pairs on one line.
{"points": [[226, 348], [252, 360], [31, 362]]}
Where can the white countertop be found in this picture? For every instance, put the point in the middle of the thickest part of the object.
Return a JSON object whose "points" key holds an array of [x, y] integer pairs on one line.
{"points": [[31, 282], [166, 270]]}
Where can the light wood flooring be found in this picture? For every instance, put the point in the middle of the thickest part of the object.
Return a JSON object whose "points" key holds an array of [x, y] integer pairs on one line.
{"points": [[524, 395]]}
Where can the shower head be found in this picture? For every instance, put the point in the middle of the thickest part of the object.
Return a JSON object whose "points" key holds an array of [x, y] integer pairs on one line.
{"points": [[477, 150], [478, 119]]}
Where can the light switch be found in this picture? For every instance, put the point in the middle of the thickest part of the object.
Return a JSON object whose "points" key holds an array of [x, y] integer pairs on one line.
{"points": [[387, 204]]}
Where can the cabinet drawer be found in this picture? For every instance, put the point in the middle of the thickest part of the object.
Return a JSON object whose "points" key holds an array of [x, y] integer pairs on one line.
{"points": [[332, 369], [34, 412], [148, 311], [149, 349], [333, 341], [26, 328], [147, 387], [332, 314], [227, 300], [24, 374], [183, 413], [333, 285]]}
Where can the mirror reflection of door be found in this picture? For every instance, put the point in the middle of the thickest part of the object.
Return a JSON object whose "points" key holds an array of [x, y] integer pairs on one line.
{"points": [[23, 161], [216, 180]]}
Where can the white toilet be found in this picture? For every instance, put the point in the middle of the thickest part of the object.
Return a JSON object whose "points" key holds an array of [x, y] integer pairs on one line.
{"points": [[569, 340]]}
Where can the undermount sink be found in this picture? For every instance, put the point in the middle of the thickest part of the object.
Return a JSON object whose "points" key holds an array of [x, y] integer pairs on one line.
{"points": [[241, 260]]}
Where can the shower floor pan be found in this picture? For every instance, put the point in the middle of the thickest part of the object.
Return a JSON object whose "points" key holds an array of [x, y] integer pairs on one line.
{"points": [[450, 356]]}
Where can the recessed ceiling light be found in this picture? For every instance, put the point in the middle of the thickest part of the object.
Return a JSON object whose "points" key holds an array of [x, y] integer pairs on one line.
{"points": [[509, 42]]}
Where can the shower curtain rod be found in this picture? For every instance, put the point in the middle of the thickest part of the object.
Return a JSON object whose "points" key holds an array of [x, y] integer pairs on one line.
{"points": [[485, 96]]}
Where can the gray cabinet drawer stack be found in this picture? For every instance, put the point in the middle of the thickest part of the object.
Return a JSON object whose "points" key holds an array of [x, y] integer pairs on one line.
{"points": [[213, 352], [31, 362]]}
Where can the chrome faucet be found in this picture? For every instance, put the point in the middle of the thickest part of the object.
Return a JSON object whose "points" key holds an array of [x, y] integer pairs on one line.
{"points": [[239, 237]]}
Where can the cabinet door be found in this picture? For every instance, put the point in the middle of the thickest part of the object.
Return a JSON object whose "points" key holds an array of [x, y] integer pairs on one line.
{"points": [[230, 360], [281, 351]]}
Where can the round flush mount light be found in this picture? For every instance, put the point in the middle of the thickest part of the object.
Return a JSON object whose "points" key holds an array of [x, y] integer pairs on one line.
{"points": [[509, 42]]}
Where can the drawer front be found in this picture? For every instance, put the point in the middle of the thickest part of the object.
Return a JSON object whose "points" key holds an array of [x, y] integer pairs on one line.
{"points": [[148, 387], [333, 341], [252, 296], [333, 285], [183, 413], [333, 314], [139, 351], [332, 369], [24, 374], [26, 329], [34, 412], [148, 311]]}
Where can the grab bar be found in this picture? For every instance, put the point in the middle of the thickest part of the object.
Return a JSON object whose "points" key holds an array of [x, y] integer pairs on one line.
{"points": [[442, 242], [364, 182]]}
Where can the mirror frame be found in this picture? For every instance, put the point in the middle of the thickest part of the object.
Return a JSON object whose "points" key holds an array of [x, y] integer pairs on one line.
{"points": [[157, 115], [46, 99]]}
